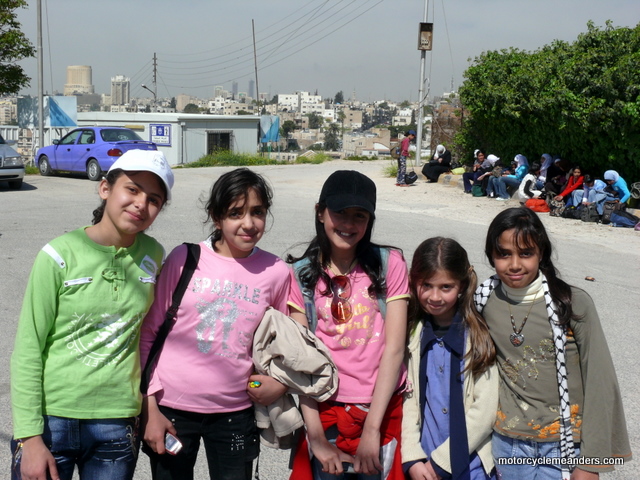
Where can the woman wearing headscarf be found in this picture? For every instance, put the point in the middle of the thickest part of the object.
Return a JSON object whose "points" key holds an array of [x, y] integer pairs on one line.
{"points": [[440, 163], [545, 162], [500, 184], [557, 176], [618, 185]]}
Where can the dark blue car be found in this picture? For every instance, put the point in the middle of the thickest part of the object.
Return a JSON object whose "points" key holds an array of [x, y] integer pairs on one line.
{"points": [[89, 149]]}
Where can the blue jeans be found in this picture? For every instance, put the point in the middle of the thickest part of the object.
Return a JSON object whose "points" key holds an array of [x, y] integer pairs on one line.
{"points": [[467, 177], [102, 449], [506, 447], [502, 183], [230, 442]]}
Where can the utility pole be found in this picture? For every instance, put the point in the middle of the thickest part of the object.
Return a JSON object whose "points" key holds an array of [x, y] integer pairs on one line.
{"points": [[40, 79], [255, 63], [424, 44]]}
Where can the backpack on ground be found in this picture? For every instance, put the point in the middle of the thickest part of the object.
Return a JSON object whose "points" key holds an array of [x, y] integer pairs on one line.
{"points": [[622, 218], [610, 206], [476, 191], [589, 213], [308, 294], [572, 212]]}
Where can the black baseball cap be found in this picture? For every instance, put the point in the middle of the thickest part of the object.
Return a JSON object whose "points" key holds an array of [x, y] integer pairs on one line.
{"points": [[348, 188]]}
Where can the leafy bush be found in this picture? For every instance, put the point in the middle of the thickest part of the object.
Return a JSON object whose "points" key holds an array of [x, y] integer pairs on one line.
{"points": [[579, 100]]}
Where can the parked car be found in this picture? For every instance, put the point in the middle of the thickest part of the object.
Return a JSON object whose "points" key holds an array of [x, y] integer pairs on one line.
{"points": [[89, 149], [11, 165]]}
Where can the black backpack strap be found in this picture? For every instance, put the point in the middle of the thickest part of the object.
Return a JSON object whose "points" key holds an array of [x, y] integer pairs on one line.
{"points": [[193, 255]]}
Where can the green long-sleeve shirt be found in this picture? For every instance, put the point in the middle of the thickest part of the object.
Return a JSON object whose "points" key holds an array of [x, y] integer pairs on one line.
{"points": [[76, 349]]}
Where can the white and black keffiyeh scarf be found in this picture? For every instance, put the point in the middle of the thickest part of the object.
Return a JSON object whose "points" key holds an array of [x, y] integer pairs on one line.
{"points": [[482, 294]]}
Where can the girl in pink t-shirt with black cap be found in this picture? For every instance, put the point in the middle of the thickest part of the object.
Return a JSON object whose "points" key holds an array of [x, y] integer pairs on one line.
{"points": [[355, 296]]}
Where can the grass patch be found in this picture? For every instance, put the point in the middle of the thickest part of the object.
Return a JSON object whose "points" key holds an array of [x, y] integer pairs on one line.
{"points": [[229, 159], [391, 170], [315, 159], [31, 170]]}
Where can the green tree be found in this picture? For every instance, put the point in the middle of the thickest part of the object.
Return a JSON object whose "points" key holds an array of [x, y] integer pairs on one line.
{"points": [[191, 108], [332, 140], [405, 104], [287, 127], [579, 100], [14, 46], [315, 120], [173, 102], [339, 98]]}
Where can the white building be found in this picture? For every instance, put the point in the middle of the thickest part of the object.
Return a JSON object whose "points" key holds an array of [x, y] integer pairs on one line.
{"points": [[120, 90], [184, 138], [79, 80]]}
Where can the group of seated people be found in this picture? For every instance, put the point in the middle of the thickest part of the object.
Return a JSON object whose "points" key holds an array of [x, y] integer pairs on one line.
{"points": [[548, 178]]}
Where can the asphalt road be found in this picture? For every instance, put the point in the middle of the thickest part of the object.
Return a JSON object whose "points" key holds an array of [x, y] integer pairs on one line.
{"points": [[46, 207]]}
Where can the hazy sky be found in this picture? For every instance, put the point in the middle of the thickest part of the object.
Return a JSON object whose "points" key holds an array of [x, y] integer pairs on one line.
{"points": [[366, 46]]}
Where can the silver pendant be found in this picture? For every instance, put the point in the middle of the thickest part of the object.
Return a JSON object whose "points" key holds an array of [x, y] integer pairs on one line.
{"points": [[517, 339]]}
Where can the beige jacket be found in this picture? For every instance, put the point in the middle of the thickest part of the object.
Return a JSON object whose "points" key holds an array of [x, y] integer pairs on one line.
{"points": [[290, 353], [480, 404]]}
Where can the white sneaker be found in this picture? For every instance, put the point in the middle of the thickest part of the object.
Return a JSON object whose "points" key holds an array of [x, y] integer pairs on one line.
{"points": [[500, 199]]}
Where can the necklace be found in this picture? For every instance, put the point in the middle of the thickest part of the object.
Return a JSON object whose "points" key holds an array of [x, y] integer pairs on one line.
{"points": [[348, 270], [517, 338]]}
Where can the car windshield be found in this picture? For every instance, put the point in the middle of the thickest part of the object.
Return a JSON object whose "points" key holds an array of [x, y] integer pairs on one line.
{"points": [[2, 140], [118, 135]]}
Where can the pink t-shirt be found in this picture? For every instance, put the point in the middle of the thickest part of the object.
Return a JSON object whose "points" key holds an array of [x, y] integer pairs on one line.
{"points": [[356, 346], [206, 361]]}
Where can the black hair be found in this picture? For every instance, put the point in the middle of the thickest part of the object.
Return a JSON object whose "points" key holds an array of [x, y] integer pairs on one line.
{"points": [[588, 178], [529, 232], [535, 167], [231, 187], [319, 253], [111, 178]]}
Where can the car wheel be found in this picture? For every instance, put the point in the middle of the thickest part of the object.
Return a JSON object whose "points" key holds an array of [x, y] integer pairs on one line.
{"points": [[94, 172], [15, 184], [44, 166]]}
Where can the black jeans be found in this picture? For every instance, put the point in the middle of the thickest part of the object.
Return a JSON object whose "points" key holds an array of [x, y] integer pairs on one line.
{"points": [[230, 441]]}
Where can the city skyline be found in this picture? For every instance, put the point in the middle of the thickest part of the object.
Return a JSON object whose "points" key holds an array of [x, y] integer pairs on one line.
{"points": [[364, 46]]}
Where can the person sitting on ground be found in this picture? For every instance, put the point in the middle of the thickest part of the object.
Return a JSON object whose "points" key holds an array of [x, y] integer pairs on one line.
{"points": [[501, 184], [528, 186], [557, 176], [575, 181], [440, 163], [546, 161], [488, 165], [476, 171], [592, 191], [618, 189]]}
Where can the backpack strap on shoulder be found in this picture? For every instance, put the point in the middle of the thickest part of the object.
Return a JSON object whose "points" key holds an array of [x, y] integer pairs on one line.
{"points": [[307, 294], [193, 256], [384, 253]]}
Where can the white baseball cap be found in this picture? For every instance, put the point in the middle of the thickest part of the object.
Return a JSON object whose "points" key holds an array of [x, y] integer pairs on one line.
{"points": [[146, 161]]}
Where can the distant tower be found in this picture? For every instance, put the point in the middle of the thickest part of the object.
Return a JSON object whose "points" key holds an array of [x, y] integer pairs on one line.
{"points": [[252, 87], [120, 90], [78, 80], [234, 89]]}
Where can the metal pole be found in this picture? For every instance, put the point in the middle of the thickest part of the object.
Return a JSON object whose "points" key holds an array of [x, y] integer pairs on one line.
{"points": [[255, 63], [423, 55], [40, 80]]}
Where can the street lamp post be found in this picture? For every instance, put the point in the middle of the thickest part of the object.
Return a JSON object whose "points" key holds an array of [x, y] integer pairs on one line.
{"points": [[154, 97]]}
